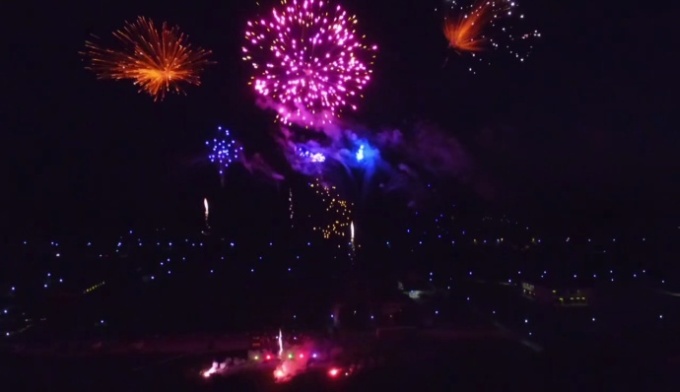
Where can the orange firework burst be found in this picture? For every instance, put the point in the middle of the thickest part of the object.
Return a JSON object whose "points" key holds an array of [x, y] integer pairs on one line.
{"points": [[482, 25], [465, 32], [158, 60]]}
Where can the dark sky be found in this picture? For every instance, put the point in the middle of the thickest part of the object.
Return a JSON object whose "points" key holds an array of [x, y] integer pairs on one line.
{"points": [[584, 130]]}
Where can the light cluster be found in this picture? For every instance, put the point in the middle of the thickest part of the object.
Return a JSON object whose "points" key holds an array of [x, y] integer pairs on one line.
{"points": [[314, 157], [158, 60], [224, 150], [340, 210], [480, 26], [308, 60]]}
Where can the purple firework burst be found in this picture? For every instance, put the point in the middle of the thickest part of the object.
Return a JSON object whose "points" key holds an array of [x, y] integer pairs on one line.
{"points": [[308, 61]]}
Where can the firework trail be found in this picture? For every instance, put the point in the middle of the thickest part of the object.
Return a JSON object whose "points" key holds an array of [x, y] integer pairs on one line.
{"points": [[223, 151], [308, 61], [158, 60], [207, 213], [486, 25], [291, 209]]}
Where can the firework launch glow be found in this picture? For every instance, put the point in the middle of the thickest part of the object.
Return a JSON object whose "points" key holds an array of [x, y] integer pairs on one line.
{"points": [[484, 25], [308, 61], [158, 60]]}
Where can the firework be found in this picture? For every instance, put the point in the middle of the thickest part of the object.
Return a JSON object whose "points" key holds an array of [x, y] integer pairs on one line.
{"points": [[158, 60], [224, 150], [313, 157], [340, 209], [485, 25], [308, 60]]}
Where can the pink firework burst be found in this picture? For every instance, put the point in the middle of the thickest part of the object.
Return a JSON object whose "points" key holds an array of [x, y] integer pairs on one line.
{"points": [[308, 61]]}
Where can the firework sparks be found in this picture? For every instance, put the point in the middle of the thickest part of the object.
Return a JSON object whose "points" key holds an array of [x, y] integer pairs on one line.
{"points": [[487, 25], [308, 60], [157, 60], [224, 150], [314, 157], [338, 208]]}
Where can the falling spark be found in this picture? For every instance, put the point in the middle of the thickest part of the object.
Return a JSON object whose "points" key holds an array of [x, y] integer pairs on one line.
{"points": [[339, 209], [290, 207]]}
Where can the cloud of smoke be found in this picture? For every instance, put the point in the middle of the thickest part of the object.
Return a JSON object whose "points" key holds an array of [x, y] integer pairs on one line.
{"points": [[405, 160], [257, 164]]}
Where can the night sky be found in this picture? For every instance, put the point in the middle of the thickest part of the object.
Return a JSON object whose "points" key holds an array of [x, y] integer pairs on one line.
{"points": [[583, 131]]}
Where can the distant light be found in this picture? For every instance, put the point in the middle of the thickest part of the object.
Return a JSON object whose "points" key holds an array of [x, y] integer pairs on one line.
{"points": [[7, 334], [101, 321], [14, 288], [49, 274], [153, 278], [45, 285], [436, 312], [4, 311], [593, 319], [315, 355], [334, 372], [252, 270], [661, 316], [526, 321], [61, 280]]}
